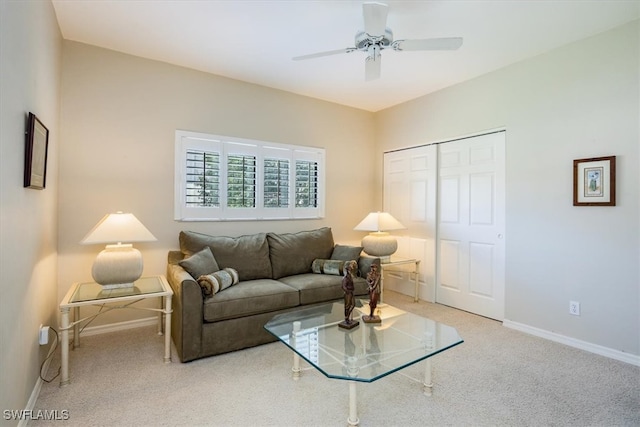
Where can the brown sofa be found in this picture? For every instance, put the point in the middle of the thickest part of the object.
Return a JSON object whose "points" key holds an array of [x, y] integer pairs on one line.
{"points": [[275, 275]]}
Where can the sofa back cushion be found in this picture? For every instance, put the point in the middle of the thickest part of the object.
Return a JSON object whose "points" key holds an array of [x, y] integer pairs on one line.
{"points": [[248, 255], [293, 253]]}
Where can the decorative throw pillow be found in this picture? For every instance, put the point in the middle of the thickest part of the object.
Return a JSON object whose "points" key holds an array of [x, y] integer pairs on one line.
{"points": [[346, 253], [200, 263], [218, 281], [328, 266]]}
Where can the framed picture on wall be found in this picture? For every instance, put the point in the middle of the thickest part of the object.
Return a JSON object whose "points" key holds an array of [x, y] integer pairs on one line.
{"points": [[594, 181], [35, 154]]}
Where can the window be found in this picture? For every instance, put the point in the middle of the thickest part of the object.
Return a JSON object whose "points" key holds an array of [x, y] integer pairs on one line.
{"points": [[223, 178]]}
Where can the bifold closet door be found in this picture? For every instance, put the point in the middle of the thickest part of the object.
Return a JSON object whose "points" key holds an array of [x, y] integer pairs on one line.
{"points": [[410, 185], [471, 225]]}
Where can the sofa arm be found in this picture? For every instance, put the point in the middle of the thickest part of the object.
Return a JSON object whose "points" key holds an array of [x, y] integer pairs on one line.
{"points": [[364, 265], [187, 317]]}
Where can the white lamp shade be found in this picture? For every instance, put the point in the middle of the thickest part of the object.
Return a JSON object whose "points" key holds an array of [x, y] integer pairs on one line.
{"points": [[118, 227], [379, 221]]}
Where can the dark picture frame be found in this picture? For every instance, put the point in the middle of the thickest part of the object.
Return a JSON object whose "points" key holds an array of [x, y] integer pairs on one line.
{"points": [[594, 181], [35, 154]]}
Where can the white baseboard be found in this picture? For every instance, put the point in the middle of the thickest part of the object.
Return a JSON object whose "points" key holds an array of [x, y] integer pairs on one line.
{"points": [[35, 393], [572, 342], [406, 288]]}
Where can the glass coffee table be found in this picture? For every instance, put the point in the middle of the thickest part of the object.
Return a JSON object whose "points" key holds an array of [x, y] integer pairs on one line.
{"points": [[365, 353]]}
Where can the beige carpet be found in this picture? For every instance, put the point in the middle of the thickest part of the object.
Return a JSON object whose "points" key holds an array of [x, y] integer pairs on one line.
{"points": [[497, 377]]}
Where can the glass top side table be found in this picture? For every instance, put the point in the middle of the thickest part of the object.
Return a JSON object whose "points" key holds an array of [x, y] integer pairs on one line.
{"points": [[91, 293], [396, 261]]}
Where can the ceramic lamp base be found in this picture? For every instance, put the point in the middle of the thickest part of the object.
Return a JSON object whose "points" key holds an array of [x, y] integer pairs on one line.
{"points": [[117, 266], [380, 244]]}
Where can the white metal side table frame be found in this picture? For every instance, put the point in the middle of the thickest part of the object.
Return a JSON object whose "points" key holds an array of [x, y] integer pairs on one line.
{"points": [[394, 262], [144, 288]]}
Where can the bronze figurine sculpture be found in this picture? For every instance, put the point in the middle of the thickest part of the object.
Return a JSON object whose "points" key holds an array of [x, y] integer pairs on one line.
{"points": [[349, 300], [373, 282]]}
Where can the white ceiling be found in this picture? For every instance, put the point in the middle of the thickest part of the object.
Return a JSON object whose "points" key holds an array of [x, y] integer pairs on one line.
{"points": [[254, 41]]}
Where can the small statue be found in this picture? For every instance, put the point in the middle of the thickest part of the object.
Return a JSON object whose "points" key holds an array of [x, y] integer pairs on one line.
{"points": [[373, 282], [349, 300]]}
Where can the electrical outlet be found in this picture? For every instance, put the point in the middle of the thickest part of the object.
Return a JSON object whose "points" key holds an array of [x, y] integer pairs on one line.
{"points": [[574, 308], [43, 335]]}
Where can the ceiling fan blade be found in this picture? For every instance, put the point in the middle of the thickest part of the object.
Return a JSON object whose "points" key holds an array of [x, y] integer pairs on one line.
{"points": [[326, 53], [375, 18], [372, 67], [445, 43]]}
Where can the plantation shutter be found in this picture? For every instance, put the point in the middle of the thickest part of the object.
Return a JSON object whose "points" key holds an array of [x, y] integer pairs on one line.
{"points": [[202, 179], [276, 183], [306, 184], [241, 181]]}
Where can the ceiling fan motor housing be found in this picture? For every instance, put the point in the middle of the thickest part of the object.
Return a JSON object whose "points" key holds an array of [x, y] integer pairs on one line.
{"points": [[364, 40]]}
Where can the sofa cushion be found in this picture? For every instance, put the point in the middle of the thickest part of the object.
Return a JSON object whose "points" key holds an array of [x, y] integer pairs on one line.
{"points": [[364, 265], [320, 287], [248, 298], [248, 255], [293, 253], [346, 253], [200, 263]]}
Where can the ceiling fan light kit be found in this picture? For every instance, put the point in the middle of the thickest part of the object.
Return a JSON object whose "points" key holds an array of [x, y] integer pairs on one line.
{"points": [[376, 37]]}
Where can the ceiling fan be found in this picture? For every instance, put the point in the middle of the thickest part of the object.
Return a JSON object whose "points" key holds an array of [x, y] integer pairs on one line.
{"points": [[376, 37]]}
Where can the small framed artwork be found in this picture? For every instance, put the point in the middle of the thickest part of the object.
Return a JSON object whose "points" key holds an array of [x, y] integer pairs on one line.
{"points": [[594, 181], [35, 154]]}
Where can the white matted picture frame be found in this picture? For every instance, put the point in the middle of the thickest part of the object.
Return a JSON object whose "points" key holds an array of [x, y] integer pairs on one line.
{"points": [[594, 181]]}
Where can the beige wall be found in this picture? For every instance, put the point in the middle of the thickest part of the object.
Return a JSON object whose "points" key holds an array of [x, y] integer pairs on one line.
{"points": [[578, 101], [119, 116], [30, 63]]}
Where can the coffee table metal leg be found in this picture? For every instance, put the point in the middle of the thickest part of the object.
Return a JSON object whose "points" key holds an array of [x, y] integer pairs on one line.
{"points": [[295, 369], [428, 383], [353, 405]]}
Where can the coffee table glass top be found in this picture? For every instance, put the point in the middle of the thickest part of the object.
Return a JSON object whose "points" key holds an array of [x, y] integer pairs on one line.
{"points": [[367, 352]]}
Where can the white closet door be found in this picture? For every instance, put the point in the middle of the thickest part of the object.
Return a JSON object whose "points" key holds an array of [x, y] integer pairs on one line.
{"points": [[471, 225], [410, 185]]}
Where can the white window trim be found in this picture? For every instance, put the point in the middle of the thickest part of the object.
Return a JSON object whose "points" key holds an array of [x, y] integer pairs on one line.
{"points": [[260, 149]]}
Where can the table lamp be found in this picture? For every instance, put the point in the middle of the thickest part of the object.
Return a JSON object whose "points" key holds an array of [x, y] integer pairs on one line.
{"points": [[379, 242], [119, 264]]}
